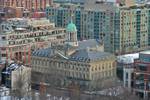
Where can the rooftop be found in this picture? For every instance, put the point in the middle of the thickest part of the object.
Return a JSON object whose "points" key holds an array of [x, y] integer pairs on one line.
{"points": [[82, 53], [13, 25], [127, 58], [88, 43], [97, 5], [48, 52], [82, 45], [145, 52], [89, 55]]}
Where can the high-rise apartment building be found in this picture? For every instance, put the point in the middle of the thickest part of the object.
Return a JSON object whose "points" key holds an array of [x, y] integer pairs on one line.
{"points": [[122, 29], [134, 28], [94, 20]]}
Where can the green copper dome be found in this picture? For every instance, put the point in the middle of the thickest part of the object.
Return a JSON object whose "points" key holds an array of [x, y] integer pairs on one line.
{"points": [[71, 27]]}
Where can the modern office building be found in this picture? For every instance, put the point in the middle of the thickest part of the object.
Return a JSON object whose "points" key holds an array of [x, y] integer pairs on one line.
{"points": [[78, 63], [142, 75], [20, 36]]}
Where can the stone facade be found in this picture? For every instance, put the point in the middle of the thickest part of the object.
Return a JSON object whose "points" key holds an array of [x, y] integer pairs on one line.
{"points": [[19, 36], [81, 63], [87, 73]]}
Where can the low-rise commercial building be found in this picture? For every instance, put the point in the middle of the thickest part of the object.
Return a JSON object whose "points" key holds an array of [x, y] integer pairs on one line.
{"points": [[125, 67], [142, 75], [136, 73]]}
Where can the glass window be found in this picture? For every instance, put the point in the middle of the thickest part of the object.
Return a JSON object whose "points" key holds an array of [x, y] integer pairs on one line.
{"points": [[126, 75], [142, 68]]}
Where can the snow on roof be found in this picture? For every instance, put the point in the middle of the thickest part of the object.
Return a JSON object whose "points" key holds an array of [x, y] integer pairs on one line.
{"points": [[114, 91], [19, 29], [145, 52], [127, 58], [16, 19], [148, 3]]}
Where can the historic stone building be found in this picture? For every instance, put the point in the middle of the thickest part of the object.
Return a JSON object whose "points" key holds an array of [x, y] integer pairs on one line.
{"points": [[81, 63]]}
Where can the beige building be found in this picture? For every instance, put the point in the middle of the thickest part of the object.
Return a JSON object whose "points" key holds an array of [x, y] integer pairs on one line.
{"points": [[134, 22], [81, 63], [19, 36], [84, 67]]}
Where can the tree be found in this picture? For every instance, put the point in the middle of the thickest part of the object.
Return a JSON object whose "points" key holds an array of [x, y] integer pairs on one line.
{"points": [[127, 95], [74, 91], [21, 82], [121, 94]]}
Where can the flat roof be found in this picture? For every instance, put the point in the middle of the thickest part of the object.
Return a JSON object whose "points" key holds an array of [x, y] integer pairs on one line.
{"points": [[145, 52], [127, 58]]}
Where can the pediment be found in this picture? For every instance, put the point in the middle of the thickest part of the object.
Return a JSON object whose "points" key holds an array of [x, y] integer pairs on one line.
{"points": [[59, 56]]}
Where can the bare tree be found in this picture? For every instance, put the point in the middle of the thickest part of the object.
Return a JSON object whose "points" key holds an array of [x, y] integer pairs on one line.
{"points": [[21, 86], [128, 95], [74, 91]]}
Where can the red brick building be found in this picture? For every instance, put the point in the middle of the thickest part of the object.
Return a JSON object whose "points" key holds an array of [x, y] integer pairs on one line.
{"points": [[142, 75], [26, 4]]}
